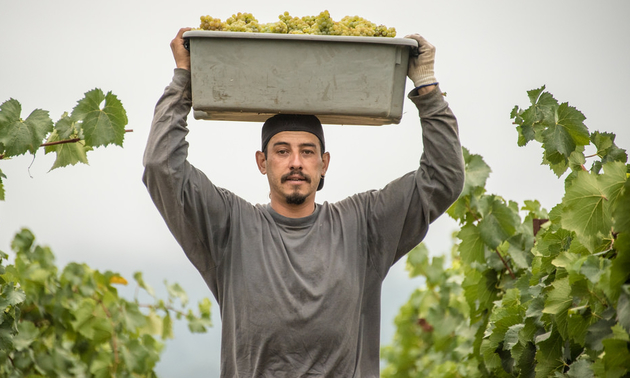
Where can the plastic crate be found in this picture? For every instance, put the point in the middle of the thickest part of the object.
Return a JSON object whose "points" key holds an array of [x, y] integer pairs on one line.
{"points": [[342, 80]]}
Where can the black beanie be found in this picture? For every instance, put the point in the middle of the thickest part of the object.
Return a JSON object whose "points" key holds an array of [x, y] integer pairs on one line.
{"points": [[293, 122]]}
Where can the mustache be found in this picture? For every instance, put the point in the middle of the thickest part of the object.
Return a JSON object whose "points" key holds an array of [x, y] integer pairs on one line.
{"points": [[295, 173]]}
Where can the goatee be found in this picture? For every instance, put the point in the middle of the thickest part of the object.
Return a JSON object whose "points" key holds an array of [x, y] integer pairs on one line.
{"points": [[295, 199]]}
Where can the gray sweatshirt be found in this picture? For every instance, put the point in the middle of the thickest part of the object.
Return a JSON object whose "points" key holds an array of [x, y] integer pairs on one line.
{"points": [[298, 297]]}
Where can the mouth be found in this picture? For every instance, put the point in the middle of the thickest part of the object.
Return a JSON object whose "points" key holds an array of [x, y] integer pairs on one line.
{"points": [[295, 178]]}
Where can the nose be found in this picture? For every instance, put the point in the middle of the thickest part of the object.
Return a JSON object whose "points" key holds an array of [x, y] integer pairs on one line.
{"points": [[296, 161]]}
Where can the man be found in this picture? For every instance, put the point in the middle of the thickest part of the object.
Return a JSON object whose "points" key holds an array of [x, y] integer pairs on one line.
{"points": [[298, 283]]}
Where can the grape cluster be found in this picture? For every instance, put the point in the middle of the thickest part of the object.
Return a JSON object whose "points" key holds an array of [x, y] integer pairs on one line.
{"points": [[321, 24]]}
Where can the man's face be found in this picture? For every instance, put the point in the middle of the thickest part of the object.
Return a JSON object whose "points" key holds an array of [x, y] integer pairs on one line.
{"points": [[294, 165]]}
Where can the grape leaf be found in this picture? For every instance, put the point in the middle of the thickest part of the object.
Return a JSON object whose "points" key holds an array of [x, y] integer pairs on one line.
{"points": [[558, 302], [19, 136], [417, 260], [472, 247], [606, 148], [561, 138], [594, 267], [498, 224], [2, 175], [66, 127], [175, 291], [101, 127], [534, 120], [613, 180], [580, 369], [586, 210], [621, 213], [27, 333], [598, 332], [623, 308], [10, 296], [549, 354], [615, 361], [477, 172], [620, 269], [67, 153]]}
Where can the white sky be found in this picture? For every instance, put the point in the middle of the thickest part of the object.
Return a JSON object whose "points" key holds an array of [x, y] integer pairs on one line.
{"points": [[489, 53]]}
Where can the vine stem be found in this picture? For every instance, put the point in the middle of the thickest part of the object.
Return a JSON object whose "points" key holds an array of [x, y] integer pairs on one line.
{"points": [[506, 264], [167, 308], [72, 140]]}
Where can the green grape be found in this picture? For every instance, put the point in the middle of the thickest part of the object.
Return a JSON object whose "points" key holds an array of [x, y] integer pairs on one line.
{"points": [[322, 24]]}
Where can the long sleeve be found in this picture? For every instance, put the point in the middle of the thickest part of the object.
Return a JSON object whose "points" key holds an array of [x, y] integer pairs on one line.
{"points": [[399, 215], [195, 211]]}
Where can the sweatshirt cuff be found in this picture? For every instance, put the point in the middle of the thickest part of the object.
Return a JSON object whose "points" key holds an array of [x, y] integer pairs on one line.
{"points": [[428, 103]]}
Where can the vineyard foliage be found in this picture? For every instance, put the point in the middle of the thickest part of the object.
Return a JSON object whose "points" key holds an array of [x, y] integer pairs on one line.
{"points": [[73, 323], [528, 293], [98, 119]]}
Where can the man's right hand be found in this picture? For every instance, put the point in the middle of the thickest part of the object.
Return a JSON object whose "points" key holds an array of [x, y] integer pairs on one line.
{"points": [[181, 55]]}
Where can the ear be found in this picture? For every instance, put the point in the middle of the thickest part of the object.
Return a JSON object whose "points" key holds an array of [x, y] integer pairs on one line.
{"points": [[325, 161], [261, 161]]}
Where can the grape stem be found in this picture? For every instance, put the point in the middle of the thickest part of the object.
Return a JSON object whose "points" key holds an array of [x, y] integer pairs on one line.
{"points": [[73, 140], [506, 264]]}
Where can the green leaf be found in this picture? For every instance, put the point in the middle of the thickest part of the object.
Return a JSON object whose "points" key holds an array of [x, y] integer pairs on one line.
{"points": [[498, 224], [417, 260], [549, 356], [621, 212], [2, 175], [176, 291], [613, 180], [66, 127], [598, 332], [19, 136], [27, 333], [606, 148], [167, 327], [472, 247], [477, 172], [512, 336], [140, 280], [101, 126], [91, 321], [581, 369], [67, 153], [594, 267], [568, 132], [10, 296], [532, 121], [586, 210], [623, 308], [615, 361], [620, 269], [558, 302]]}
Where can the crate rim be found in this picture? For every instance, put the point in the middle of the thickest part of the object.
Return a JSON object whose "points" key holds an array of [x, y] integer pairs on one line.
{"points": [[300, 37]]}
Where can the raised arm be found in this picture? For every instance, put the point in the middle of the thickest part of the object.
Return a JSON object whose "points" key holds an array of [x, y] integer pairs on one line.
{"points": [[187, 200], [402, 211]]}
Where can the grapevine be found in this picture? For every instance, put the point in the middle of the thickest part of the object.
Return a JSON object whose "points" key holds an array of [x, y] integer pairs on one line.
{"points": [[88, 126], [321, 24], [531, 292], [72, 321]]}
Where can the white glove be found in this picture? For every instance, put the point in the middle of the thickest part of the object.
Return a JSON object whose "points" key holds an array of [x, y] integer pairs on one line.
{"points": [[421, 67]]}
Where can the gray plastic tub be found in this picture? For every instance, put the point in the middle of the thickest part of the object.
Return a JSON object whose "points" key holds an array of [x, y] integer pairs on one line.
{"points": [[343, 80]]}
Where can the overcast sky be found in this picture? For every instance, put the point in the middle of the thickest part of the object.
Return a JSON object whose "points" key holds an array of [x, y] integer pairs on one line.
{"points": [[489, 53]]}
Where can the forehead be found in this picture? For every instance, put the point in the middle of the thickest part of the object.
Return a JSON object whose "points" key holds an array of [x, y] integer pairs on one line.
{"points": [[294, 138]]}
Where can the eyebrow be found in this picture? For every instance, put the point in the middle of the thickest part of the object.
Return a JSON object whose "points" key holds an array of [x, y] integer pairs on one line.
{"points": [[306, 144]]}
